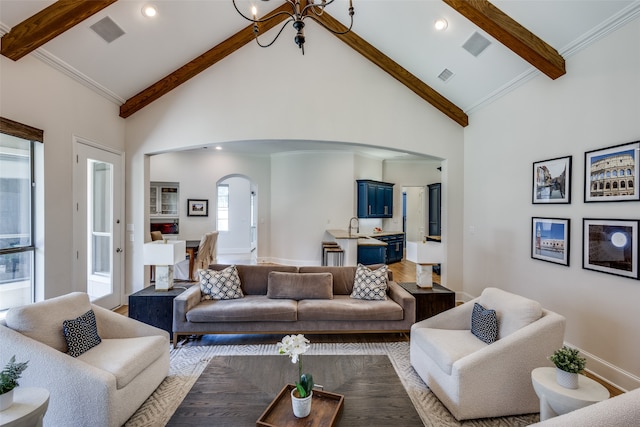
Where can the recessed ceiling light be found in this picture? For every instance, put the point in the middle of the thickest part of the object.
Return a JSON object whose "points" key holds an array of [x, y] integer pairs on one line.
{"points": [[218, 147], [149, 10], [441, 24]]}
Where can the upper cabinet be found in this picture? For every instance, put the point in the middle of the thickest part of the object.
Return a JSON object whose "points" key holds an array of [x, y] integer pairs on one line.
{"points": [[163, 199], [435, 210], [375, 199]]}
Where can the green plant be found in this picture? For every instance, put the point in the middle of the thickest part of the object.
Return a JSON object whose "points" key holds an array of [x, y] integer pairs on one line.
{"points": [[10, 374], [568, 359], [294, 346]]}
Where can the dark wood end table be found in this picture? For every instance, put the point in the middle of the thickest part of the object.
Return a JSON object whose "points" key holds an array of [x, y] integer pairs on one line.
{"points": [[430, 301], [154, 307]]}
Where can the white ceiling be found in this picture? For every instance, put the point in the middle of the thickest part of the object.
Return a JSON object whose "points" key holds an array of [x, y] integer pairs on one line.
{"points": [[402, 29]]}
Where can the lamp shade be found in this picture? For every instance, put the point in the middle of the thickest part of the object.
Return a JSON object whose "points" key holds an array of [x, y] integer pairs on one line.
{"points": [[425, 252], [161, 253]]}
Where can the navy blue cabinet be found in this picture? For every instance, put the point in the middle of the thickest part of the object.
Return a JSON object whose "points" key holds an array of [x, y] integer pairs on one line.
{"points": [[395, 247], [375, 199], [371, 254], [434, 209]]}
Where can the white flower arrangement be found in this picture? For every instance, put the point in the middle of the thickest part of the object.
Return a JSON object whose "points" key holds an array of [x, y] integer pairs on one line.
{"points": [[295, 346]]}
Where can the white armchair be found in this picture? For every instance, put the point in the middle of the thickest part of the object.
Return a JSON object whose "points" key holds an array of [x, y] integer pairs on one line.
{"points": [[103, 386], [477, 380]]}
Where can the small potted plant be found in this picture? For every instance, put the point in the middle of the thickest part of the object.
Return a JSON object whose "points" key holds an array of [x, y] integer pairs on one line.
{"points": [[9, 380], [294, 346], [569, 364]]}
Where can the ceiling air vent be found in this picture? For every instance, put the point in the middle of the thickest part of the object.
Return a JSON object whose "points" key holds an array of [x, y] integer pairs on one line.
{"points": [[445, 75], [476, 44], [107, 29]]}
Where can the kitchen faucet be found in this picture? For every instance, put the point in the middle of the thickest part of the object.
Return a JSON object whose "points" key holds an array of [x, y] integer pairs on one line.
{"points": [[357, 225]]}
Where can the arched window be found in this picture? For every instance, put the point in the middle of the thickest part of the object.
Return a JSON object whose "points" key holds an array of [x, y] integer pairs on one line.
{"points": [[623, 184], [630, 184], [607, 186], [621, 172], [608, 174], [601, 185], [628, 172], [615, 185], [614, 174]]}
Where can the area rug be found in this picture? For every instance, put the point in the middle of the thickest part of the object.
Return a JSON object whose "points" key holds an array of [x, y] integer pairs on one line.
{"points": [[188, 362]]}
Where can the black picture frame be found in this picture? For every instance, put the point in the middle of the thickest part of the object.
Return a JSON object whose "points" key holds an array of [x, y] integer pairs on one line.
{"points": [[552, 181], [611, 246], [197, 207], [550, 239], [610, 174]]}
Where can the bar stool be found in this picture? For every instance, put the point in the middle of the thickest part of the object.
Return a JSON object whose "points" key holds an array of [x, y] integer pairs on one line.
{"points": [[325, 247], [338, 253]]}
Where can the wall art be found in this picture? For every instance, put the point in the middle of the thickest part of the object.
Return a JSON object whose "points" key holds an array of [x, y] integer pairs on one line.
{"points": [[550, 239], [552, 181], [611, 174], [611, 246]]}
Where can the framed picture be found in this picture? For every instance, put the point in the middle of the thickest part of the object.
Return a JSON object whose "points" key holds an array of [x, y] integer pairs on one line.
{"points": [[611, 174], [550, 239], [197, 207], [552, 181], [611, 246]]}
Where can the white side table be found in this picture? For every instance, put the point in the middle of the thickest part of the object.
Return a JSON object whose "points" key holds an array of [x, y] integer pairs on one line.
{"points": [[557, 400], [28, 409]]}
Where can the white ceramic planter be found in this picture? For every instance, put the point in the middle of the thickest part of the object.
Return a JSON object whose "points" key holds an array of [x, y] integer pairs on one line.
{"points": [[6, 400], [566, 379], [301, 406]]}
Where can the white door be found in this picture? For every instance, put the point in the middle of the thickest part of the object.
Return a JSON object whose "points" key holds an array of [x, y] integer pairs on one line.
{"points": [[98, 228]]}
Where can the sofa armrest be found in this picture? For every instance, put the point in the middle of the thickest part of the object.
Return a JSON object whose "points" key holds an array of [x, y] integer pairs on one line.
{"points": [[114, 325], [185, 302], [458, 317], [408, 303]]}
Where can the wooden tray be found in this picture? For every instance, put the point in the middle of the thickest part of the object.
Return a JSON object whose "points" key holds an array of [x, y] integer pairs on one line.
{"points": [[325, 408]]}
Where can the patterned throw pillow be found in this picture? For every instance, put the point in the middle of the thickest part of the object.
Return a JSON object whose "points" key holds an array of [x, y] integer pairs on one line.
{"points": [[223, 284], [370, 284], [81, 333], [484, 323]]}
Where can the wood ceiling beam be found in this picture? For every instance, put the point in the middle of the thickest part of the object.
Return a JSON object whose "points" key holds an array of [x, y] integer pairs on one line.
{"points": [[511, 34], [47, 24], [199, 64], [416, 85]]}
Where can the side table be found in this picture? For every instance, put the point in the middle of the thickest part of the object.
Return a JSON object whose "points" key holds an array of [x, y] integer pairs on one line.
{"points": [[154, 307], [557, 400], [28, 409], [430, 301]]}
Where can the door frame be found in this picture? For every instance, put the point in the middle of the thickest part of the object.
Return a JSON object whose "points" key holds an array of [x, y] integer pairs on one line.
{"points": [[118, 234]]}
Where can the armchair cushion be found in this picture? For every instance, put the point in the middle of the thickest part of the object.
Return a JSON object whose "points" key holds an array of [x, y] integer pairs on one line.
{"points": [[43, 321], [484, 323], [220, 285], [81, 333], [446, 346], [514, 311]]}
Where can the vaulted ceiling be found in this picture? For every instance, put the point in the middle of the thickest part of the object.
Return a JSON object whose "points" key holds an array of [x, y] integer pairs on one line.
{"points": [[525, 37]]}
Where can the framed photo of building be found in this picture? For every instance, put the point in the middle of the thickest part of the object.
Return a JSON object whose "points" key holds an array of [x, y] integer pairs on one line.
{"points": [[550, 239], [552, 181], [611, 174], [197, 207], [611, 246]]}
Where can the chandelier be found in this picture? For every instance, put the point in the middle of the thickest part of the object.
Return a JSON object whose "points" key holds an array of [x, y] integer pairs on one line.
{"points": [[300, 10]]}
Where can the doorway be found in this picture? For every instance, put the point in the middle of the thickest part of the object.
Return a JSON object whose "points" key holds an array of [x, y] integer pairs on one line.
{"points": [[98, 231], [237, 220]]}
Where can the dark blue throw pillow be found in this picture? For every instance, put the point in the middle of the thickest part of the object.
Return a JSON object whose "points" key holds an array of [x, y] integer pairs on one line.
{"points": [[484, 324], [81, 333]]}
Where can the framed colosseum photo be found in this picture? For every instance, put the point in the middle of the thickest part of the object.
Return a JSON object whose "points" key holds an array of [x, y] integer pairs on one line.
{"points": [[550, 239], [611, 174], [611, 246]]}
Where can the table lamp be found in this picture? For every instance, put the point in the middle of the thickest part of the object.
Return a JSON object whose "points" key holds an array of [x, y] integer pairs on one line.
{"points": [[425, 255], [164, 254]]}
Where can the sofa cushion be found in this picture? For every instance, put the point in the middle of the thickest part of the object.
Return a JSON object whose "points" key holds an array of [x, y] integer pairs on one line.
{"points": [[342, 277], [446, 346], [343, 307], [484, 323], [254, 278], [514, 311], [370, 284], [42, 321], [81, 333], [224, 284], [248, 309], [125, 358], [299, 286]]}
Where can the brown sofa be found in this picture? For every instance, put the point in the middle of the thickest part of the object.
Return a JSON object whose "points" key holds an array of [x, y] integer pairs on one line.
{"points": [[291, 303]]}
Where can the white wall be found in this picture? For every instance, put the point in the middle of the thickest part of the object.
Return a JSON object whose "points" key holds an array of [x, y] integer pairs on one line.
{"points": [[595, 105], [248, 96], [37, 95]]}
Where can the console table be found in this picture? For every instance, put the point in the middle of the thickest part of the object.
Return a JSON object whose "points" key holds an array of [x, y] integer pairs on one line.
{"points": [[154, 307], [430, 301]]}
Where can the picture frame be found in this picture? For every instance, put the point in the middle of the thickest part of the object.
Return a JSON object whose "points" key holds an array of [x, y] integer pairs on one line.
{"points": [[550, 239], [552, 180], [197, 207], [611, 174], [611, 246]]}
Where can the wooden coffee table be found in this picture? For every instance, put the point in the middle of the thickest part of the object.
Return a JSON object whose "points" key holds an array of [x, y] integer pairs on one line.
{"points": [[235, 390]]}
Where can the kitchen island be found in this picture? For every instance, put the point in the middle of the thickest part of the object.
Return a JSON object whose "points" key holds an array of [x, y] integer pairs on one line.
{"points": [[366, 248]]}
